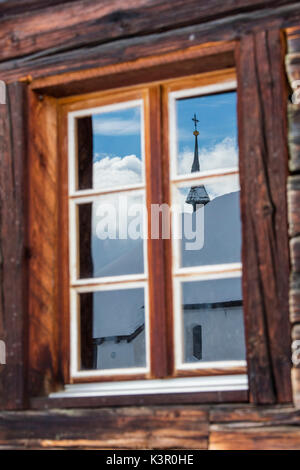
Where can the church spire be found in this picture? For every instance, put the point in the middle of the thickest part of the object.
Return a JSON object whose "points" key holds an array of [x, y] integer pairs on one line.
{"points": [[196, 165], [197, 194]]}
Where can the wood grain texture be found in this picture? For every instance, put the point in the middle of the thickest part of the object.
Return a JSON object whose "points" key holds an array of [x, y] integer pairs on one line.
{"points": [[123, 428], [43, 244], [164, 66], [233, 396], [294, 135], [295, 299], [293, 73], [296, 363], [16, 7], [57, 60], [165, 427], [161, 355], [263, 172], [294, 204], [76, 24], [243, 437], [266, 415], [13, 252]]}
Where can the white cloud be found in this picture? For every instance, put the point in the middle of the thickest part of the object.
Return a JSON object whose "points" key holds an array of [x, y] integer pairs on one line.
{"points": [[116, 171], [222, 155], [116, 126], [230, 184]]}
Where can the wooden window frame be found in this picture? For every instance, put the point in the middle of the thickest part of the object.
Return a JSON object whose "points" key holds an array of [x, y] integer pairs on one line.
{"points": [[47, 346], [161, 339]]}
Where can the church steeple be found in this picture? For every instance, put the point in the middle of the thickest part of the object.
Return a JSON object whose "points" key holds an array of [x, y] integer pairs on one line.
{"points": [[197, 194], [196, 165]]}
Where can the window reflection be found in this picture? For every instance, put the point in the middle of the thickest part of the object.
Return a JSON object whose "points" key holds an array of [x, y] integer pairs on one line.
{"points": [[110, 149], [216, 224], [112, 329], [217, 132], [213, 320], [111, 235]]}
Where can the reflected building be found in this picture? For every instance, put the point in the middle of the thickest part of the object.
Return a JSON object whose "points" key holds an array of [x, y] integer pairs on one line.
{"points": [[113, 322], [212, 310], [198, 194]]}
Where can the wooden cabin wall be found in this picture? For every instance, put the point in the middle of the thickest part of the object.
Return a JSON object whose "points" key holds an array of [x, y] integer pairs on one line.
{"points": [[38, 42], [293, 72]]}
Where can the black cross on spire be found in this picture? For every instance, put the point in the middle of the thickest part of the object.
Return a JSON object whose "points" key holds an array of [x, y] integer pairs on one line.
{"points": [[195, 121]]}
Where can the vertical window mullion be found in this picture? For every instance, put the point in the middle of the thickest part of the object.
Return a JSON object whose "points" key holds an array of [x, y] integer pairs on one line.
{"points": [[159, 350]]}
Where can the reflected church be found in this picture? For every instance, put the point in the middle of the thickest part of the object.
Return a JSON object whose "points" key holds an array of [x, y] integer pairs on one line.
{"points": [[113, 321]]}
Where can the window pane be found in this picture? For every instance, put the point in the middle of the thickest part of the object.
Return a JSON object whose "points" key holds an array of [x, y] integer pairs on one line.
{"points": [[113, 329], [217, 127], [110, 149], [213, 320], [111, 236], [210, 222]]}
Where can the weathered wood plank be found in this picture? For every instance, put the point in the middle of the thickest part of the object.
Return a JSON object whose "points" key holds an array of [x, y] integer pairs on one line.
{"points": [[293, 39], [270, 416], [15, 7], [235, 396], [55, 60], [168, 427], [13, 279], [294, 135], [295, 299], [123, 428], [195, 60], [295, 254], [243, 437], [294, 204], [77, 24], [263, 169], [44, 358], [296, 363], [293, 73]]}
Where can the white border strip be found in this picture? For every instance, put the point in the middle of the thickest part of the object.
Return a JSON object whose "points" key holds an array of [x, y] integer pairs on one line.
{"points": [[150, 387]]}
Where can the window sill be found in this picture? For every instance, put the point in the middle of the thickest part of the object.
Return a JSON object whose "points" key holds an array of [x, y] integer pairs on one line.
{"points": [[221, 383]]}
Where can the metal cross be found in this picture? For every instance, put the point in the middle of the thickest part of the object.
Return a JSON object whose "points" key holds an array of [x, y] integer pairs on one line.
{"points": [[195, 121]]}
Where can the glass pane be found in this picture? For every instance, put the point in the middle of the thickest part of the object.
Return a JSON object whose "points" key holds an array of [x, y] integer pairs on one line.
{"points": [[213, 320], [210, 222], [111, 236], [110, 149], [112, 329], [216, 123]]}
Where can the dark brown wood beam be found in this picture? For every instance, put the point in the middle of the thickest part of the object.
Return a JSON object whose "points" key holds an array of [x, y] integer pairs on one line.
{"points": [[13, 266], [165, 427], [17, 7], [262, 103], [293, 73], [121, 428], [67, 25], [57, 60]]}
